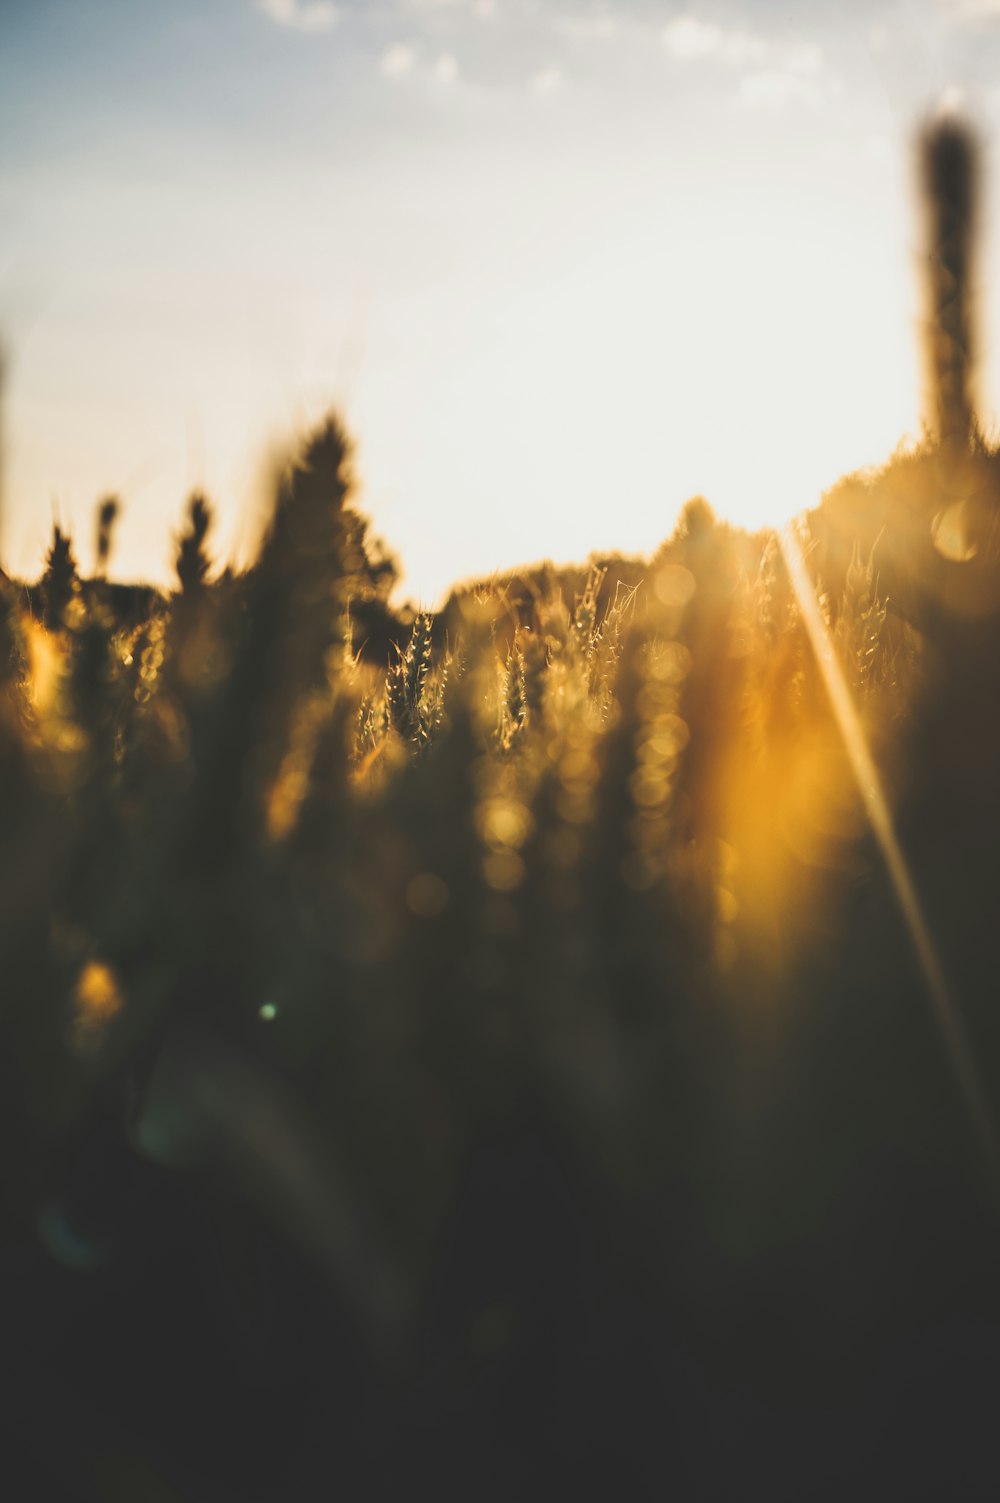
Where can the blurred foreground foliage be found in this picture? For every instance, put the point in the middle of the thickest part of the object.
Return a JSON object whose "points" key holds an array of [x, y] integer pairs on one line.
{"points": [[484, 1048]]}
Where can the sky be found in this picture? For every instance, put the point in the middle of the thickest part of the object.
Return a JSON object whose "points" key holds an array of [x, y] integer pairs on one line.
{"points": [[560, 265]]}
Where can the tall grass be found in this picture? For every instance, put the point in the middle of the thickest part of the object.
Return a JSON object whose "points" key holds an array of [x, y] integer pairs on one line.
{"points": [[525, 983]]}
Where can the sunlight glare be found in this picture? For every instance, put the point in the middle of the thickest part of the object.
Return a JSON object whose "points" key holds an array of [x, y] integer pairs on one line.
{"points": [[880, 818]]}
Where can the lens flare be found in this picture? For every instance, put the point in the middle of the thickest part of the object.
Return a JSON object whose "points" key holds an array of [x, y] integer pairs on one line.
{"points": [[873, 797]]}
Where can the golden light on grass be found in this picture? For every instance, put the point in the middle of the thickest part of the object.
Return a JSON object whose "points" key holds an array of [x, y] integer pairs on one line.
{"points": [[951, 534], [97, 999], [880, 818], [503, 870], [504, 823], [44, 666]]}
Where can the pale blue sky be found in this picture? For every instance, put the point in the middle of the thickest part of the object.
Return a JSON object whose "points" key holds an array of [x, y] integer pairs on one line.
{"points": [[561, 265]]}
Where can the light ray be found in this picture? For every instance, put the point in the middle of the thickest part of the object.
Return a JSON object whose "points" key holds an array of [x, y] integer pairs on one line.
{"points": [[870, 787]]}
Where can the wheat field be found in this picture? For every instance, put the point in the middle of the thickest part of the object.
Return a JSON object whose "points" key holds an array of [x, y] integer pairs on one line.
{"points": [[547, 1047]]}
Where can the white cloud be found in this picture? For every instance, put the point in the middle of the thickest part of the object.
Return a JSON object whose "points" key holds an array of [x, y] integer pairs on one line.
{"points": [[397, 61], [547, 81], [687, 37], [773, 89], [601, 28], [970, 10], [446, 68], [485, 9], [690, 40], [804, 58], [309, 16], [796, 73], [776, 72]]}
